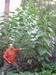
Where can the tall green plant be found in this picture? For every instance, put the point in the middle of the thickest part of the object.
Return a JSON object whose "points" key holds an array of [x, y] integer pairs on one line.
{"points": [[30, 28]]}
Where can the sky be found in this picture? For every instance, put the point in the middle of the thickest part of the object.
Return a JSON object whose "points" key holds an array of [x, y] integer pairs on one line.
{"points": [[13, 5]]}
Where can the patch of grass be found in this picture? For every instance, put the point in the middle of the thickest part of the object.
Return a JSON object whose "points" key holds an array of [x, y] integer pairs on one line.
{"points": [[23, 73], [29, 73]]}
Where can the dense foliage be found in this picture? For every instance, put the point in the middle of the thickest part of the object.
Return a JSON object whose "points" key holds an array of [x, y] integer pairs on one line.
{"points": [[31, 29]]}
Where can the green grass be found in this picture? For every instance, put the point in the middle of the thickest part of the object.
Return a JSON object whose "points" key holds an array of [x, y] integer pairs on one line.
{"points": [[29, 73], [21, 73]]}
